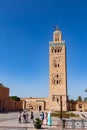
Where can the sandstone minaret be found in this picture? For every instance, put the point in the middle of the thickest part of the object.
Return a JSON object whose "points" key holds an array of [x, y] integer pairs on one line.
{"points": [[57, 72]]}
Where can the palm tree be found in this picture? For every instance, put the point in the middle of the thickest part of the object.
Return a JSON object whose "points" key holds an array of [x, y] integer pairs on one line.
{"points": [[86, 90]]}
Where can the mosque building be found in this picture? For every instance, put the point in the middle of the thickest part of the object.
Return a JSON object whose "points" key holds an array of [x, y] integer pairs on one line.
{"points": [[57, 78], [58, 96]]}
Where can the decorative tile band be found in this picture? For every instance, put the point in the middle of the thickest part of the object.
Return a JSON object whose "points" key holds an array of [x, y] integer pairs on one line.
{"points": [[57, 44]]}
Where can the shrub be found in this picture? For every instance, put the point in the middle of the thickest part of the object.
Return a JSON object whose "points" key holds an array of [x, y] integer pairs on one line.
{"points": [[37, 123], [64, 114]]}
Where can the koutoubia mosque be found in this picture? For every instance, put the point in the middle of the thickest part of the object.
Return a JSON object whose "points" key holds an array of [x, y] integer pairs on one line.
{"points": [[57, 99], [57, 78]]}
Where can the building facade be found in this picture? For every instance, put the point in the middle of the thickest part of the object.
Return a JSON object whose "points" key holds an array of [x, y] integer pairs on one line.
{"points": [[57, 100], [57, 72], [4, 92], [35, 103], [6, 103]]}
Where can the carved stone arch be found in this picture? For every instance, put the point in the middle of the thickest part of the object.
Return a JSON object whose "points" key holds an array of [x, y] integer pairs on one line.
{"points": [[55, 50], [52, 49]]}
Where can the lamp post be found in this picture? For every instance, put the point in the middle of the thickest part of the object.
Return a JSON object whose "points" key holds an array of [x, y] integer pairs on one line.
{"points": [[60, 103], [61, 107]]}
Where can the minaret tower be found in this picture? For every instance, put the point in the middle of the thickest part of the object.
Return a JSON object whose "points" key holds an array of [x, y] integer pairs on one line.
{"points": [[57, 72]]}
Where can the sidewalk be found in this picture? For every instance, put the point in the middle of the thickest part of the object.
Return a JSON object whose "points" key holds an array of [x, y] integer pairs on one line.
{"points": [[14, 124], [9, 121]]}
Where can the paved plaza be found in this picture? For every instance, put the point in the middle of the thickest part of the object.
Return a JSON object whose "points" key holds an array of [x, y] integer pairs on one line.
{"points": [[9, 121]]}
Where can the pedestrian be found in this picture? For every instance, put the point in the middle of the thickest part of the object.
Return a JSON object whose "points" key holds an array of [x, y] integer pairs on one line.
{"points": [[45, 119], [19, 117], [27, 116], [49, 119], [42, 116], [24, 117], [32, 117]]}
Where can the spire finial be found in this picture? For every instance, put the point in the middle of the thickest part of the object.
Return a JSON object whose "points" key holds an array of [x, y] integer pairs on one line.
{"points": [[56, 27]]}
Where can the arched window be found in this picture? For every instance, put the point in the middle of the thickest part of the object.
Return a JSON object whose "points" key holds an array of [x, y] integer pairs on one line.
{"points": [[52, 49], [58, 39], [55, 65], [55, 50], [57, 81], [57, 100], [55, 39], [57, 76], [53, 98], [58, 50]]}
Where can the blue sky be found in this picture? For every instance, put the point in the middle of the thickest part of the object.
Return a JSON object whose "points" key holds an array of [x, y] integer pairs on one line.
{"points": [[26, 27]]}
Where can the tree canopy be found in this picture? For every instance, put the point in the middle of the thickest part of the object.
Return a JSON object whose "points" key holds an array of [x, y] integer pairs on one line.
{"points": [[85, 90], [85, 99], [15, 98], [79, 98]]}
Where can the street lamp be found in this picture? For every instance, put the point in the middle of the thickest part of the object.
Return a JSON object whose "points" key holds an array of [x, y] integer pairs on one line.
{"points": [[60, 103], [61, 107]]}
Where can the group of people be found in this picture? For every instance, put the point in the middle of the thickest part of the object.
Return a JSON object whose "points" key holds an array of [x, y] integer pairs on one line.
{"points": [[24, 117], [46, 118]]}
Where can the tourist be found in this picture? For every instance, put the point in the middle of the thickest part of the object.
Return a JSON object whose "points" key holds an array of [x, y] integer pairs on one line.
{"points": [[24, 117], [32, 117], [42, 116], [19, 117], [45, 119], [27, 116], [49, 120]]}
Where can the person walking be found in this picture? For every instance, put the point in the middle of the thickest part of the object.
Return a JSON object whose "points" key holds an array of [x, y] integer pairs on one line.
{"points": [[27, 116], [49, 119], [19, 117], [32, 117], [45, 119], [24, 117], [42, 116]]}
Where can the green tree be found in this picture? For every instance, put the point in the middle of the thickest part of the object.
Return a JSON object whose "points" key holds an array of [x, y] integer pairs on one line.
{"points": [[85, 99], [86, 90], [79, 98], [15, 98], [72, 100]]}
